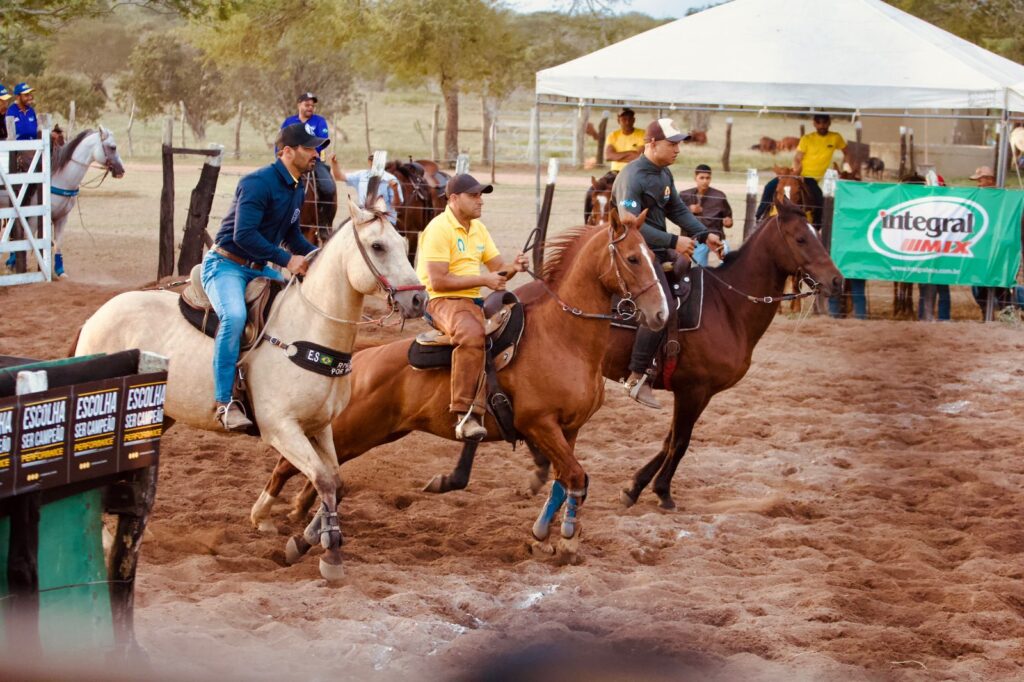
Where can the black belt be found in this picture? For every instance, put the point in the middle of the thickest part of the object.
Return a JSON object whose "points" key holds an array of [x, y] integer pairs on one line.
{"points": [[255, 265]]}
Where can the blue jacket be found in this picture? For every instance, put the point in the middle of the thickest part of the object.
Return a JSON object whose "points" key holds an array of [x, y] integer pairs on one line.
{"points": [[263, 215], [26, 126], [316, 125]]}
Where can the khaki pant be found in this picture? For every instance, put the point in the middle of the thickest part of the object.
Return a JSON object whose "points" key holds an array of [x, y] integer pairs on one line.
{"points": [[463, 321]]}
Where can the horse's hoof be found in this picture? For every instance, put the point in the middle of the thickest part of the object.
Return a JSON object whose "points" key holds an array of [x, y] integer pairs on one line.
{"points": [[541, 549], [569, 549], [667, 503], [537, 482], [331, 572], [627, 499], [295, 549], [436, 485], [266, 526]]}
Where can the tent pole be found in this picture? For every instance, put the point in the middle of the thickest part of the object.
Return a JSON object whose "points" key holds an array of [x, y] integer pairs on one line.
{"points": [[536, 151], [1004, 141]]}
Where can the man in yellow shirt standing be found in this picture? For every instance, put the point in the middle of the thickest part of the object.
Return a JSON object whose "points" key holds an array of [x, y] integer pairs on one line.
{"points": [[625, 144], [453, 246]]}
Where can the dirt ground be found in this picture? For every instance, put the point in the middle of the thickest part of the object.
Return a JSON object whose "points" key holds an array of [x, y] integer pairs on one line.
{"points": [[851, 510]]}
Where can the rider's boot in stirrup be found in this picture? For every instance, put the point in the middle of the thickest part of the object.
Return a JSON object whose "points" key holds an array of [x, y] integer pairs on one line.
{"points": [[639, 389], [232, 417], [470, 428]]}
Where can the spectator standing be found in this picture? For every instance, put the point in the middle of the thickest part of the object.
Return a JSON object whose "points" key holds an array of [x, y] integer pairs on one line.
{"points": [[710, 206], [986, 179], [26, 126], [316, 125], [625, 144], [389, 188], [5, 101]]}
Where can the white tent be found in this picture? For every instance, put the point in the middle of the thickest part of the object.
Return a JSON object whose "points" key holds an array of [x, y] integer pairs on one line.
{"points": [[826, 54]]}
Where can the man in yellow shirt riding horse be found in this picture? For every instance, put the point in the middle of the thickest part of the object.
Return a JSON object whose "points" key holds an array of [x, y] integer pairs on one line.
{"points": [[452, 248]]}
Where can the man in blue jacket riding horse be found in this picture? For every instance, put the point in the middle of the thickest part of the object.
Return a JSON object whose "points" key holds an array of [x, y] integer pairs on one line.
{"points": [[263, 215]]}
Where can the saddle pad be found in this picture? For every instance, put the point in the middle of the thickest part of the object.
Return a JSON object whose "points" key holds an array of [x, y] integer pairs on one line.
{"points": [[196, 296], [206, 320], [432, 356], [689, 303]]}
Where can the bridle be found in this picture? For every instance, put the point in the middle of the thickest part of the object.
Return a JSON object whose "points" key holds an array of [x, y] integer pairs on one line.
{"points": [[625, 309], [805, 279]]}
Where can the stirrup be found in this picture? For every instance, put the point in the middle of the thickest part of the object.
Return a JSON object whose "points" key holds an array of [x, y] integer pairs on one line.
{"points": [[464, 429], [241, 422], [637, 392]]}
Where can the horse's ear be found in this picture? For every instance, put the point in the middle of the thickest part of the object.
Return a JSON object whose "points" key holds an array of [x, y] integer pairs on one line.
{"points": [[104, 133], [614, 219], [380, 205], [593, 182], [641, 218], [355, 212]]}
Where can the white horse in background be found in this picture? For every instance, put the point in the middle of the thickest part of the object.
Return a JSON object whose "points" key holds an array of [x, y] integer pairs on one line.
{"points": [[69, 164], [294, 407]]}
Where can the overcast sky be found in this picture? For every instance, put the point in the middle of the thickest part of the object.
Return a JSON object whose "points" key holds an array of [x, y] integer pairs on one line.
{"points": [[656, 8]]}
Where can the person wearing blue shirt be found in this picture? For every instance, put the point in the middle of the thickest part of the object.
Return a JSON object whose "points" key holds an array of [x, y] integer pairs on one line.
{"points": [[389, 187], [26, 126], [327, 190], [5, 100], [263, 215]]}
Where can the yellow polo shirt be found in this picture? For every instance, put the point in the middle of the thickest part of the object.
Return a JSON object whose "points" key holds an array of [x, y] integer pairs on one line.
{"points": [[445, 240], [621, 142], [818, 150]]}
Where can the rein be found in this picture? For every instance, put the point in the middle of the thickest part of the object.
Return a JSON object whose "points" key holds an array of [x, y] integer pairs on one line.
{"points": [[811, 282]]}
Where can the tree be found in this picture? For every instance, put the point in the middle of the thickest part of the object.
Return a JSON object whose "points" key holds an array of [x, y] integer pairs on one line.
{"points": [[56, 91], [993, 24], [164, 70], [440, 40], [95, 48], [20, 17]]}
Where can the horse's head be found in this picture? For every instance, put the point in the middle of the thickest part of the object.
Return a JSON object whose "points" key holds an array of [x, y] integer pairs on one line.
{"points": [[106, 154], [800, 250], [791, 187], [383, 268], [601, 201], [57, 139], [632, 273]]}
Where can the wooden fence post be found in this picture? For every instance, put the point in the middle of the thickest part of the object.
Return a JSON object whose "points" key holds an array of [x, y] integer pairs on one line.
{"points": [[181, 106], [165, 263], [131, 121], [602, 134], [544, 217], [753, 185], [494, 145], [903, 152], [366, 126], [434, 130], [728, 144], [196, 236], [238, 133], [71, 120], [911, 162], [858, 128]]}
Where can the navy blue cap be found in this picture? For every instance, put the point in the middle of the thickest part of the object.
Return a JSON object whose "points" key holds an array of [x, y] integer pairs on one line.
{"points": [[22, 89]]}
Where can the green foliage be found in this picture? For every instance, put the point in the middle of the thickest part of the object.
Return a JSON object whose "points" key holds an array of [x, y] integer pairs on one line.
{"points": [[992, 24], [95, 48], [21, 58], [38, 17], [55, 91], [164, 70]]}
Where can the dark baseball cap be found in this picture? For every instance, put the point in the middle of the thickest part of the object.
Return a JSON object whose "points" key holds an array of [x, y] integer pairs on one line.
{"points": [[466, 184], [296, 135], [664, 129], [307, 95]]}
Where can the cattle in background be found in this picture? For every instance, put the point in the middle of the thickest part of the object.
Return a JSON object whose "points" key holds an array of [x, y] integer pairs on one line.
{"points": [[788, 144], [767, 145], [698, 137], [875, 167]]}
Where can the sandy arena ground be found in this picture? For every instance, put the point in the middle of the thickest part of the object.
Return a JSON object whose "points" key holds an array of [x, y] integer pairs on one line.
{"points": [[851, 510]]}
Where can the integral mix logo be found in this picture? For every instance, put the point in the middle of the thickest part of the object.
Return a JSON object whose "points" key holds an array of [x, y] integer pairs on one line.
{"points": [[929, 227]]}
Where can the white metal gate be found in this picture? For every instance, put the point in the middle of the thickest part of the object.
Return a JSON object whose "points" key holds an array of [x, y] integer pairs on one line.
{"points": [[14, 193]]}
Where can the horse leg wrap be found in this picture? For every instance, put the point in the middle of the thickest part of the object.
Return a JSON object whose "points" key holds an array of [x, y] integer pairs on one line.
{"points": [[572, 509], [312, 532], [330, 530], [542, 526]]}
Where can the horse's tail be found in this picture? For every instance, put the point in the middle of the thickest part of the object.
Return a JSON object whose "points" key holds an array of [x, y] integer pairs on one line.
{"points": [[74, 343]]}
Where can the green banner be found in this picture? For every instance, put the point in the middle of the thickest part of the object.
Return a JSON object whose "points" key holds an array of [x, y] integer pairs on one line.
{"points": [[928, 235]]}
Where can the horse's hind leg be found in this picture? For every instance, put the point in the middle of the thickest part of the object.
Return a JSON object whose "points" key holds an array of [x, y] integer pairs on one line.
{"points": [[303, 502], [458, 479], [541, 471], [644, 474], [688, 410], [260, 513]]}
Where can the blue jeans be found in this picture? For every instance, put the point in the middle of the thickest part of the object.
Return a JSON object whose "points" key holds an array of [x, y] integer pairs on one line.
{"points": [[857, 295], [224, 282], [942, 292]]}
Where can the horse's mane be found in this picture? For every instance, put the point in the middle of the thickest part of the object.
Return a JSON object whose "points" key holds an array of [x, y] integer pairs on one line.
{"points": [[67, 151], [560, 252]]}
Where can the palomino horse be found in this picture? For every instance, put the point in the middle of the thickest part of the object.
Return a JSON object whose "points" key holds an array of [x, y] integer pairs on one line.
{"points": [[554, 382], [597, 208], [293, 407], [741, 298]]}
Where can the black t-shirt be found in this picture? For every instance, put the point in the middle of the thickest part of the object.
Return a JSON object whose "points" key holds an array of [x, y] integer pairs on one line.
{"points": [[644, 185]]}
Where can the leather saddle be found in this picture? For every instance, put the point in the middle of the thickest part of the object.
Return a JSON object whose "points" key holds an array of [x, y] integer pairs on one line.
{"points": [[197, 309], [434, 176], [687, 286], [504, 319]]}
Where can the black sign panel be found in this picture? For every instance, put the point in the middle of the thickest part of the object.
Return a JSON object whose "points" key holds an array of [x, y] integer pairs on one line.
{"points": [[142, 419], [41, 450], [8, 434], [94, 434]]}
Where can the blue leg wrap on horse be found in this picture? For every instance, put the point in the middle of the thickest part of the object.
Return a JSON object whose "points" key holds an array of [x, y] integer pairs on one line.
{"points": [[572, 507], [58, 264], [555, 501]]}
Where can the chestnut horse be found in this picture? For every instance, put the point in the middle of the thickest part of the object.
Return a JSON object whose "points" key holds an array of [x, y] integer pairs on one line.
{"points": [[791, 187], [316, 217], [741, 298], [555, 381], [418, 205], [597, 208]]}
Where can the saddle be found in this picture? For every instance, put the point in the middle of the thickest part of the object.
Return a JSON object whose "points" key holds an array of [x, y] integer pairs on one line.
{"points": [[434, 176], [504, 321], [197, 309]]}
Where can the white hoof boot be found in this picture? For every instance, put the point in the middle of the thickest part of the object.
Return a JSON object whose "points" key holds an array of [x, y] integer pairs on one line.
{"points": [[332, 573]]}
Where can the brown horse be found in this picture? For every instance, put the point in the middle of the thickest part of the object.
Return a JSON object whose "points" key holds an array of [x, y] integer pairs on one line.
{"points": [[418, 204], [598, 207], [316, 218], [791, 187], [555, 381], [741, 298]]}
